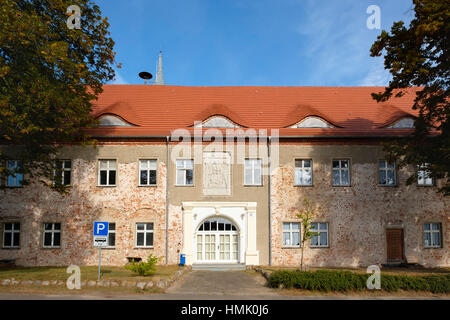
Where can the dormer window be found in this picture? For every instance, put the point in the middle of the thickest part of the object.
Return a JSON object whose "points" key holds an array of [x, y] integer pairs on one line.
{"points": [[312, 122], [113, 121], [217, 122], [404, 123]]}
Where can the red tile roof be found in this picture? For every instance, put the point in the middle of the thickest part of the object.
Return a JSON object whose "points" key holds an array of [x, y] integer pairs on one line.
{"points": [[157, 110]]}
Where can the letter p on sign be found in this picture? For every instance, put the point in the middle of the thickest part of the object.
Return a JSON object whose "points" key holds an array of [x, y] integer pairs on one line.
{"points": [[101, 228]]}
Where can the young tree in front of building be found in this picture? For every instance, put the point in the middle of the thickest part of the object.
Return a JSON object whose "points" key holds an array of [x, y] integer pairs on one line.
{"points": [[53, 64], [306, 215], [419, 55]]}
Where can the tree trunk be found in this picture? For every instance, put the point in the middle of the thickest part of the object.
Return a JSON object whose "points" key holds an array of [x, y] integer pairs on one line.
{"points": [[301, 261]]}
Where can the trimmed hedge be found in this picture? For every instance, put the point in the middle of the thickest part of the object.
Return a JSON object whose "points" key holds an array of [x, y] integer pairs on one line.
{"points": [[330, 280]]}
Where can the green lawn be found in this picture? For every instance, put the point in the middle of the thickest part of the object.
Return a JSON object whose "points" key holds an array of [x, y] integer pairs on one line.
{"points": [[87, 273]]}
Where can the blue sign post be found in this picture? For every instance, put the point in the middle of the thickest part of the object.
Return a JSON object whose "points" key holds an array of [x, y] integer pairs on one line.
{"points": [[101, 230]]}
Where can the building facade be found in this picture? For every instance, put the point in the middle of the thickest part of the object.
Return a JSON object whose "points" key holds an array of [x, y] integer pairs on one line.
{"points": [[219, 174]]}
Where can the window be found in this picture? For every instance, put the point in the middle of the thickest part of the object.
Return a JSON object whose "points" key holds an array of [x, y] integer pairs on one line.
{"points": [[423, 176], [52, 235], [291, 234], [217, 224], [107, 173], [62, 172], [303, 172], [147, 172], [320, 240], [432, 235], [252, 172], [16, 177], [11, 235], [405, 123], [341, 172], [386, 172], [112, 234], [144, 234], [185, 172], [312, 122]]}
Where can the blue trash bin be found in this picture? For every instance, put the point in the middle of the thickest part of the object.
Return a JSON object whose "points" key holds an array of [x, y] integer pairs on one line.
{"points": [[182, 259]]}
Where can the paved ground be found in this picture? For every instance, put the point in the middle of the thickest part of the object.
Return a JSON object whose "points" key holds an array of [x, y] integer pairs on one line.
{"points": [[221, 283], [210, 285]]}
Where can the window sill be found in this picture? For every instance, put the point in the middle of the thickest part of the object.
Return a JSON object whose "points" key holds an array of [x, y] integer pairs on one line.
{"points": [[109, 186], [291, 247], [136, 248], [319, 247], [303, 185], [388, 185], [184, 185], [433, 247], [253, 185], [10, 248], [342, 186], [50, 248], [147, 185]]}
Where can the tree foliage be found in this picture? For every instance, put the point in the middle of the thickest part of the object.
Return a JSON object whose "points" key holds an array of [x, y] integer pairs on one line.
{"points": [[49, 76], [306, 215], [419, 55]]}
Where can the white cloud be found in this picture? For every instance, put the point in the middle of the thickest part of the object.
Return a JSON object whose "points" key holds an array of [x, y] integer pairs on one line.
{"points": [[118, 79], [377, 75]]}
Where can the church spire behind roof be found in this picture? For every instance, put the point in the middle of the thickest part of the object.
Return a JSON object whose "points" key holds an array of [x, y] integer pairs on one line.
{"points": [[159, 73]]}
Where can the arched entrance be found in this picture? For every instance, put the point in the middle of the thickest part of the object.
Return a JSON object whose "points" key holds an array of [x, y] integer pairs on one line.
{"points": [[217, 241]]}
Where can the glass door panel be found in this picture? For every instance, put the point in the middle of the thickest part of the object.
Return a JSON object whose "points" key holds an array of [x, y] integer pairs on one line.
{"points": [[199, 247]]}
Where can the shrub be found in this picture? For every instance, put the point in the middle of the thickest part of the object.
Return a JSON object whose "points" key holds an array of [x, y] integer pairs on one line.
{"points": [[144, 268], [330, 280]]}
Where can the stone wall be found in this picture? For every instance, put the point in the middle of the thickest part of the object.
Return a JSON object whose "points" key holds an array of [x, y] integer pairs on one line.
{"points": [[126, 204], [359, 215]]}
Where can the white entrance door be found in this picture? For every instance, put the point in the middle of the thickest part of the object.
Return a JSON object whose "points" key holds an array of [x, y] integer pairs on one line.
{"points": [[217, 241]]}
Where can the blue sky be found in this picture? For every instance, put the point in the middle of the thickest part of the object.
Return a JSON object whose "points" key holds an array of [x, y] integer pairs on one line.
{"points": [[251, 42]]}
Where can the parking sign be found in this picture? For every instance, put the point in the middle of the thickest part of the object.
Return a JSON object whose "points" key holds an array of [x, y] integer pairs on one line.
{"points": [[101, 234], [101, 228]]}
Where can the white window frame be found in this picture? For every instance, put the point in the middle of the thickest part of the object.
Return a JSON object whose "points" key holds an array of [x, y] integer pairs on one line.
{"points": [[52, 231], [60, 179], [319, 230], [340, 170], [291, 231], [16, 164], [110, 232], [431, 231], [14, 232], [108, 161], [253, 164], [145, 231], [149, 162], [423, 175], [386, 169], [184, 167], [300, 170]]}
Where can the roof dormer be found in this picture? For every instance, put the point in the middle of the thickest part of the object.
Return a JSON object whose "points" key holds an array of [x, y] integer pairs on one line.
{"points": [[312, 122], [403, 123], [111, 120], [217, 122]]}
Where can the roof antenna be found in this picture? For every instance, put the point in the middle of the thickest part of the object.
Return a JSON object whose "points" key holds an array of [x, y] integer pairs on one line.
{"points": [[146, 76]]}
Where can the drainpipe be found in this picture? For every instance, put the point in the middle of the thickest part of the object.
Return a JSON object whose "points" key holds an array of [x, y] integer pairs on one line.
{"points": [[167, 198], [268, 201]]}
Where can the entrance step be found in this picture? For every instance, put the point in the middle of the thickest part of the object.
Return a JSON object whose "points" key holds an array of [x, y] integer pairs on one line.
{"points": [[219, 267]]}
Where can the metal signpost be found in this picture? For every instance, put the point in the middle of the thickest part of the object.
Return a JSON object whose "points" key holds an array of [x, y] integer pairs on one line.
{"points": [[101, 230]]}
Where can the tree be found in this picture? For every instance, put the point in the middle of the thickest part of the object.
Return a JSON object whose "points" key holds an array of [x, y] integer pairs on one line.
{"points": [[49, 76], [306, 215], [419, 55]]}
